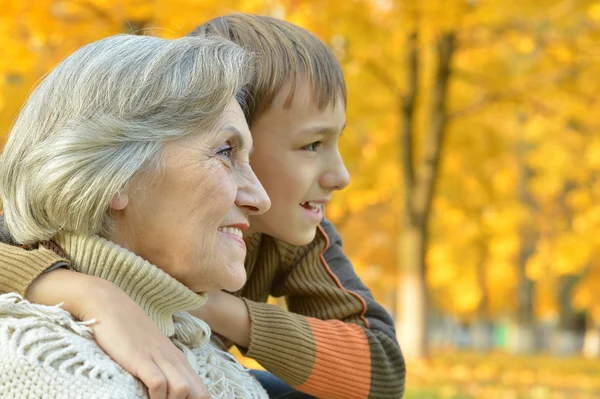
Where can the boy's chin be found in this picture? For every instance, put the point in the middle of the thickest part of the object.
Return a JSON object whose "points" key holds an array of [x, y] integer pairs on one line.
{"points": [[298, 237], [284, 231]]}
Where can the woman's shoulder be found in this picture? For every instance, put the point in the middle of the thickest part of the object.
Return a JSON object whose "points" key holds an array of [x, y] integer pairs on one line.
{"points": [[223, 375], [44, 352]]}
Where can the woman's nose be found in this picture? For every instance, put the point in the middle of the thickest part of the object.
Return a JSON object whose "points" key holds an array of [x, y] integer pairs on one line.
{"points": [[252, 196]]}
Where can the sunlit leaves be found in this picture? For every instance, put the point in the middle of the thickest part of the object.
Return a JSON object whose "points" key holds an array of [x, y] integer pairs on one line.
{"points": [[522, 152]]}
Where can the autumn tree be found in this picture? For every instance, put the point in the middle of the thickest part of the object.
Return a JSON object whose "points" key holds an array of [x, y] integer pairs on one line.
{"points": [[471, 140]]}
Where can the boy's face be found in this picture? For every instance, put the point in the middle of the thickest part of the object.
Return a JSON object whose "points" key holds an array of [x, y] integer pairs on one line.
{"points": [[296, 159]]}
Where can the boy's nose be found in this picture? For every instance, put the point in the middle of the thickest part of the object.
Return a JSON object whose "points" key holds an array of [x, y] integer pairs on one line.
{"points": [[337, 177]]}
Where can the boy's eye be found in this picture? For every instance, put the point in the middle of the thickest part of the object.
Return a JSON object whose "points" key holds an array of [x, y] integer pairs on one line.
{"points": [[312, 146]]}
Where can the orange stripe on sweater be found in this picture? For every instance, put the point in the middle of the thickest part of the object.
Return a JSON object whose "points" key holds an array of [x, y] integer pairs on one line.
{"points": [[337, 280], [342, 368]]}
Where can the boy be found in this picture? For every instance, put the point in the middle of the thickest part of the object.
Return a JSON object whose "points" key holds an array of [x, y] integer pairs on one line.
{"points": [[334, 340]]}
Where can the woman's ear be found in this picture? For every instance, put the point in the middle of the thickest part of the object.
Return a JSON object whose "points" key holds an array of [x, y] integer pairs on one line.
{"points": [[119, 202]]}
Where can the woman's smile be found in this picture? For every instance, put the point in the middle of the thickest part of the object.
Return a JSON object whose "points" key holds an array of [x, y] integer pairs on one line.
{"points": [[234, 233]]}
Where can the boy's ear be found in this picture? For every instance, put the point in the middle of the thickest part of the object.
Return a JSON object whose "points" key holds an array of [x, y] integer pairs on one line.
{"points": [[119, 202]]}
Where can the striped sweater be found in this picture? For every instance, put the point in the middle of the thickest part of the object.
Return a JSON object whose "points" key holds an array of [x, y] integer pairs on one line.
{"points": [[333, 341]]}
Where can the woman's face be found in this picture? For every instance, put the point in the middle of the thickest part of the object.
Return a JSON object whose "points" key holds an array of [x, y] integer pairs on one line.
{"points": [[189, 219]]}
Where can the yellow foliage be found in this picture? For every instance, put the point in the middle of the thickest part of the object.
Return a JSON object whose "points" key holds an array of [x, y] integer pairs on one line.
{"points": [[501, 273], [525, 45], [579, 199], [504, 181], [441, 271], [521, 152], [545, 303], [536, 267], [504, 247], [593, 11], [582, 296], [592, 154], [585, 294], [466, 295], [571, 254]]}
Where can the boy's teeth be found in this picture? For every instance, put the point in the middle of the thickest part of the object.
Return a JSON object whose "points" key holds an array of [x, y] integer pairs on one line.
{"points": [[232, 230], [309, 204]]}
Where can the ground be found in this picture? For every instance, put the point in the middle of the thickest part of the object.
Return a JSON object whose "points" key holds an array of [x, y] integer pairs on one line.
{"points": [[502, 376]]}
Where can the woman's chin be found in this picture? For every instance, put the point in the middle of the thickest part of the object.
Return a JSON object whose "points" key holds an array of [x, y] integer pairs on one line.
{"points": [[236, 277]]}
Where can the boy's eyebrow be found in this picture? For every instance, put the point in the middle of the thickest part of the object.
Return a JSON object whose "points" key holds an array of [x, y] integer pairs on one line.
{"points": [[323, 130], [238, 136]]}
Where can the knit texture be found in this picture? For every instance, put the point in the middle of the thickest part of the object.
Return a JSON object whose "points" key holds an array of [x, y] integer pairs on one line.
{"points": [[333, 341], [44, 352], [156, 292], [20, 267]]}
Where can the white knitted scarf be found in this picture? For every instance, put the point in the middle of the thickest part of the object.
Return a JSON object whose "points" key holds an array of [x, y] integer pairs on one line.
{"points": [[50, 341]]}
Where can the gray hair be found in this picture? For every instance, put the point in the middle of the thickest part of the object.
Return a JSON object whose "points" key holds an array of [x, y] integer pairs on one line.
{"points": [[101, 117]]}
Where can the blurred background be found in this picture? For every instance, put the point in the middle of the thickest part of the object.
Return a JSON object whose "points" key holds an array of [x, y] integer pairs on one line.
{"points": [[474, 208]]}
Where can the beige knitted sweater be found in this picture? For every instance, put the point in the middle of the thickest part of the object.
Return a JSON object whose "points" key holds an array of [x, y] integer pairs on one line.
{"points": [[45, 353]]}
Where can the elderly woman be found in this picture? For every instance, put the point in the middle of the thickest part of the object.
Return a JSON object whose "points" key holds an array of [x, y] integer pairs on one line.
{"points": [[130, 159]]}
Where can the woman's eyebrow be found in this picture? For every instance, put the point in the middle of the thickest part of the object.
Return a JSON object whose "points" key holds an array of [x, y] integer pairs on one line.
{"points": [[238, 137]]}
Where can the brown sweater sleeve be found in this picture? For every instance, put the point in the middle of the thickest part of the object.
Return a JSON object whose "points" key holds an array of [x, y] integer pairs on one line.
{"points": [[335, 341], [19, 267]]}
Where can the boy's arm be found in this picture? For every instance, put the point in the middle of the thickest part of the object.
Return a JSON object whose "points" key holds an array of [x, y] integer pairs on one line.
{"points": [[335, 341], [19, 268]]}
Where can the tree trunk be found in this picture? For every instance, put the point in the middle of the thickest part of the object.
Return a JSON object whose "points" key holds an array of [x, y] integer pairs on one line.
{"points": [[482, 327], [419, 185], [412, 298], [567, 339], [591, 341], [522, 336], [522, 339]]}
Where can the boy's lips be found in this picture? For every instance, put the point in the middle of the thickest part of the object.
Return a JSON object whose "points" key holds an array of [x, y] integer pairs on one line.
{"points": [[314, 210]]}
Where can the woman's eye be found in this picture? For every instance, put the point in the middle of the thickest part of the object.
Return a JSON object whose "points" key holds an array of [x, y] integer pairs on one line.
{"points": [[225, 151], [312, 146]]}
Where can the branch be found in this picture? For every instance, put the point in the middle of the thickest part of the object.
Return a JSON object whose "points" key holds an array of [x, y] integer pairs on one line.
{"points": [[383, 76], [95, 10], [488, 99]]}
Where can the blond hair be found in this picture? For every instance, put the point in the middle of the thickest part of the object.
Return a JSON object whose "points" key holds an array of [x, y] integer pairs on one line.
{"points": [[286, 54], [100, 118]]}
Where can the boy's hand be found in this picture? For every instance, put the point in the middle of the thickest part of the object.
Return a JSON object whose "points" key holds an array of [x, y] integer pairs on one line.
{"points": [[123, 330]]}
